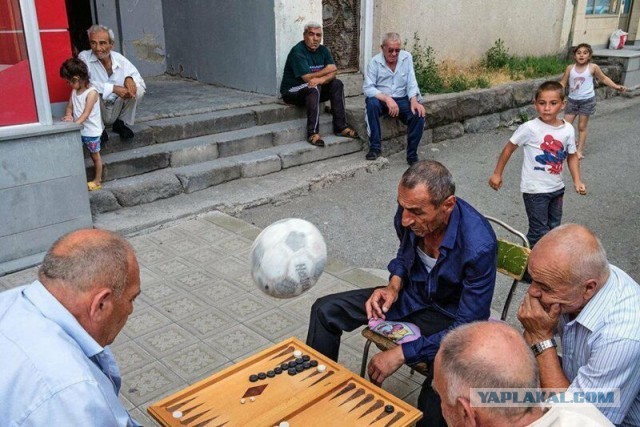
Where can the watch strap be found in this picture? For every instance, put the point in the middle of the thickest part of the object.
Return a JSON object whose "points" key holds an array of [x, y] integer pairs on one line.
{"points": [[542, 346]]}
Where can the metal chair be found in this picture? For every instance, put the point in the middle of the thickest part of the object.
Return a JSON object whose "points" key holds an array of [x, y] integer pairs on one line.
{"points": [[511, 261]]}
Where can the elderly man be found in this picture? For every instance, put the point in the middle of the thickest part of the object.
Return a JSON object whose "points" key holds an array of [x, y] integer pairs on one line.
{"points": [[391, 88], [118, 82], [56, 367], [442, 277], [494, 355], [310, 78], [593, 306]]}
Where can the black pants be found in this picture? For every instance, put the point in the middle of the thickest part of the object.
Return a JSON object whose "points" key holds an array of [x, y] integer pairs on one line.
{"points": [[311, 97], [332, 314]]}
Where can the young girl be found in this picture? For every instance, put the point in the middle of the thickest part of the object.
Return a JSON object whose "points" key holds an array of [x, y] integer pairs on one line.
{"points": [[582, 96], [83, 108]]}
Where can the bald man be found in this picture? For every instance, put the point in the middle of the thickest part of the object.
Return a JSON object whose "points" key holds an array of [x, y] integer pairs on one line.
{"points": [[494, 355], [56, 368], [593, 307]]}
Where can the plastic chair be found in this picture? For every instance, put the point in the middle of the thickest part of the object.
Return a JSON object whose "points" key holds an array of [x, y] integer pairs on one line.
{"points": [[511, 261]]}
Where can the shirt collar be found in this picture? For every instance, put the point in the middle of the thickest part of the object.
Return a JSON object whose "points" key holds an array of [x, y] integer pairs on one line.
{"points": [[591, 315], [451, 234], [115, 62], [403, 55], [51, 309]]}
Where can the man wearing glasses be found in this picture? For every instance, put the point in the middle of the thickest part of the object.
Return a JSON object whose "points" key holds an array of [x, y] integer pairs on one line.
{"points": [[391, 88]]}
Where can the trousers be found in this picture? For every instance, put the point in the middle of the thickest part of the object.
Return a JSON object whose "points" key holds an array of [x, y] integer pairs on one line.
{"points": [[345, 311], [123, 109], [311, 97], [544, 211]]}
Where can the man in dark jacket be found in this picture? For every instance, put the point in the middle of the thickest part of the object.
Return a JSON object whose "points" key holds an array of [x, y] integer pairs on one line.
{"points": [[443, 276]]}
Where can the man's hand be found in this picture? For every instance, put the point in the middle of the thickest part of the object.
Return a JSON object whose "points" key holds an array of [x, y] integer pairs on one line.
{"points": [[130, 84], [384, 364], [581, 188], [495, 181], [539, 324], [393, 107], [380, 302], [417, 108], [315, 81], [122, 92]]}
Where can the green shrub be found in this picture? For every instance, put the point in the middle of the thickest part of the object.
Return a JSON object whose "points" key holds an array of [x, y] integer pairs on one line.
{"points": [[497, 56], [426, 68]]}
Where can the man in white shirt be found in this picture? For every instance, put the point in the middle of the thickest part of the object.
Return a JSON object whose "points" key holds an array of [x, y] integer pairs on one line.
{"points": [[391, 89], [119, 83]]}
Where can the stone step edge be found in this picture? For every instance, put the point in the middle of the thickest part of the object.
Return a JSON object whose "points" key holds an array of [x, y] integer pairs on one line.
{"points": [[170, 182], [202, 148], [234, 196]]}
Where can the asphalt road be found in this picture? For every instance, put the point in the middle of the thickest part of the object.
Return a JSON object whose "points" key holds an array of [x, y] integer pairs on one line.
{"points": [[355, 216]]}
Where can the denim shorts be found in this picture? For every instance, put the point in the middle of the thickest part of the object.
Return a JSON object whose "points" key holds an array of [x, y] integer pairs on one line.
{"points": [[92, 143], [581, 107]]}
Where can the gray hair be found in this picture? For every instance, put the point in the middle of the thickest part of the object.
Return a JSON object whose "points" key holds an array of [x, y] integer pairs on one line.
{"points": [[96, 28], [390, 37], [311, 24], [101, 261], [433, 175], [464, 371]]}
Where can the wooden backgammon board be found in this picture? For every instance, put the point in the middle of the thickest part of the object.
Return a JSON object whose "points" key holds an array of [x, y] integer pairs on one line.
{"points": [[254, 393]]}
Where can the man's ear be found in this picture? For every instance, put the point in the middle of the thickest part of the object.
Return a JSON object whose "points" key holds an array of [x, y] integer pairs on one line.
{"points": [[590, 288], [101, 304], [449, 203], [467, 412]]}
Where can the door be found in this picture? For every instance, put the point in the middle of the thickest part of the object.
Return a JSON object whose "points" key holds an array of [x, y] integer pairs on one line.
{"points": [[341, 28]]}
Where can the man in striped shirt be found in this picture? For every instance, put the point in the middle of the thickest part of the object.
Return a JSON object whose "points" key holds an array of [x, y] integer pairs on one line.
{"points": [[593, 307]]}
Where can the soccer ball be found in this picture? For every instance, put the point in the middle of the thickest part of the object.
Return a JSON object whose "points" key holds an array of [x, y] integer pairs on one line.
{"points": [[288, 257]]}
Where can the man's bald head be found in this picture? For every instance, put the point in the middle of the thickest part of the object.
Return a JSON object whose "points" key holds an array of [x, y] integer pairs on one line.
{"points": [[574, 252], [86, 259], [484, 355]]}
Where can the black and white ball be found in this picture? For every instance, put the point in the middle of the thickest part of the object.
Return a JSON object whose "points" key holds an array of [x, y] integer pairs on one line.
{"points": [[288, 257]]}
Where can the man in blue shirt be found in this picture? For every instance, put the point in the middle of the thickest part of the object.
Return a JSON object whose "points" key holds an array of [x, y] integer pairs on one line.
{"points": [[56, 368], [309, 78], [391, 88], [443, 276]]}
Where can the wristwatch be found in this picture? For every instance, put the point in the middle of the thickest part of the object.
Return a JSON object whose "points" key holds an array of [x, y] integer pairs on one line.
{"points": [[542, 346]]}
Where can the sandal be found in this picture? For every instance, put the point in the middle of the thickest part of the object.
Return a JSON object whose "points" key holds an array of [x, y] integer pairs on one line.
{"points": [[348, 132], [316, 140], [92, 186]]}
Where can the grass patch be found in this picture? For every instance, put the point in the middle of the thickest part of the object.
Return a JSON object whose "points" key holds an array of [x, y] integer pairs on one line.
{"points": [[497, 67]]}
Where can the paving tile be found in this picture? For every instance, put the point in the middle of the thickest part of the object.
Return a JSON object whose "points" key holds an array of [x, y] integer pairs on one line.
{"points": [[238, 341], [217, 291], [125, 402], [246, 306], [274, 323], [244, 281], [204, 256], [147, 276], [195, 362], [194, 279], [171, 267], [362, 279], [143, 418], [300, 306], [234, 245], [180, 306], [229, 267], [143, 321], [20, 278], [166, 234], [194, 226], [185, 244], [130, 356], [226, 221], [158, 290], [332, 288], [150, 382], [209, 322], [154, 255], [215, 234], [251, 233], [277, 302], [122, 337], [142, 244], [300, 333], [166, 340], [335, 266]]}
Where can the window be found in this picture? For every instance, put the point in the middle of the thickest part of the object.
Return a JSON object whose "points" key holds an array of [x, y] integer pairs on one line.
{"points": [[602, 7], [22, 84]]}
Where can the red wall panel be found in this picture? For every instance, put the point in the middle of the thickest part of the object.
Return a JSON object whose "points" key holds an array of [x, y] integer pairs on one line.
{"points": [[52, 14], [56, 48], [17, 103]]}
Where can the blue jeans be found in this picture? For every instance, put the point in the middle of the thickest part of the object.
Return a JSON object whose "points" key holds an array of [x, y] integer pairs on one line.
{"points": [[544, 211], [415, 124]]}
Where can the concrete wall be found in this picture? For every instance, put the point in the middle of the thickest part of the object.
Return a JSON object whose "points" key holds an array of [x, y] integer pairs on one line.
{"points": [[139, 29], [230, 43], [464, 31], [290, 19], [43, 192], [596, 29]]}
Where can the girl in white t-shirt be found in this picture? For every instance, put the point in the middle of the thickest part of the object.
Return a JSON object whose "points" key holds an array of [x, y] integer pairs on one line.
{"points": [[83, 108], [582, 95]]}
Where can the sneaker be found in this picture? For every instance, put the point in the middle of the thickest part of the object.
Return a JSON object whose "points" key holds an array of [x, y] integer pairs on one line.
{"points": [[372, 155], [121, 129], [411, 162]]}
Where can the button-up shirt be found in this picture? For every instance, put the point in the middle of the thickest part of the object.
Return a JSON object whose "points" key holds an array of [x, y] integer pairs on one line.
{"points": [[601, 346], [460, 284], [121, 68], [52, 372], [398, 83]]}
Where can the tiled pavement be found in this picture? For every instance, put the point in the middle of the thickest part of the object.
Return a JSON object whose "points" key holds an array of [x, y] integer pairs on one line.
{"points": [[200, 312]]}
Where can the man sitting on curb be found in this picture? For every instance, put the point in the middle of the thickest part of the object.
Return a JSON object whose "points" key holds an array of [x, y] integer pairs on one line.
{"points": [[310, 78], [494, 356], [391, 88]]}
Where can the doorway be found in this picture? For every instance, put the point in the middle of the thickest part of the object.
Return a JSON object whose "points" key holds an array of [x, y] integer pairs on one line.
{"points": [[80, 16], [341, 28]]}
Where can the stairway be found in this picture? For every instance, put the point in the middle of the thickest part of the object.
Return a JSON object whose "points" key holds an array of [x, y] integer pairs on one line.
{"points": [[189, 153]]}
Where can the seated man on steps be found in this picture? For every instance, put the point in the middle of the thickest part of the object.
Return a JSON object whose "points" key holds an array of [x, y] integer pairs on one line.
{"points": [[442, 277], [310, 78], [391, 88], [117, 80]]}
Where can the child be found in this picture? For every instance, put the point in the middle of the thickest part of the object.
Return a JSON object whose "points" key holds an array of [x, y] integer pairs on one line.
{"points": [[547, 141], [83, 108], [582, 97]]}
